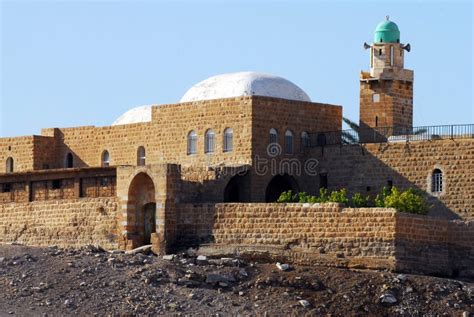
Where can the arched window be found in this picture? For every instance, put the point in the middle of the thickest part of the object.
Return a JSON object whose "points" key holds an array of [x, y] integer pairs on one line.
{"points": [[105, 158], [437, 181], [69, 162], [141, 158], [321, 139], [273, 136], [209, 141], [304, 140], [288, 142], [9, 167], [228, 140], [192, 142]]}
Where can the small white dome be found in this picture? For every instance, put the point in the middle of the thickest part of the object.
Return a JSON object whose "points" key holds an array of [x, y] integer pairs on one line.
{"points": [[135, 115], [244, 84]]}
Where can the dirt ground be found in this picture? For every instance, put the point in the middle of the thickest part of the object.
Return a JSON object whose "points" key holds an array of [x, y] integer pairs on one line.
{"points": [[90, 282]]}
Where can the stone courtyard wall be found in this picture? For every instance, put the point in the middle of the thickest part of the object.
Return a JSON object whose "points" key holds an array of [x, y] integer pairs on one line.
{"points": [[309, 233], [64, 223], [332, 235]]}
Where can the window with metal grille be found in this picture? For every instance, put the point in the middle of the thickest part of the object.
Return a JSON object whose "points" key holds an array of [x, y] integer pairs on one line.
{"points": [[192, 142], [437, 181], [141, 158], [105, 158], [288, 142], [304, 140], [209, 141], [273, 136], [228, 140]]}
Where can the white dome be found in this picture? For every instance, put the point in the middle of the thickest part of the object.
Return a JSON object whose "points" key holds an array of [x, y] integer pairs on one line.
{"points": [[135, 115], [244, 84]]}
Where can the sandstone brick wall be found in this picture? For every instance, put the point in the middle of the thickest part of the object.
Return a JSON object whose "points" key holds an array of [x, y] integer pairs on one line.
{"points": [[65, 223], [330, 234], [357, 236], [20, 149], [367, 168], [434, 246]]}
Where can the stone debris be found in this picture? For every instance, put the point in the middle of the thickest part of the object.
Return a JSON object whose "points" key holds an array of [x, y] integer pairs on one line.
{"points": [[282, 267], [142, 249], [304, 303], [90, 281], [388, 298], [201, 260], [169, 257]]}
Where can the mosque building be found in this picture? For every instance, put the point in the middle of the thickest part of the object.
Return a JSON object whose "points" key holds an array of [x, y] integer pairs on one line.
{"points": [[241, 137]]}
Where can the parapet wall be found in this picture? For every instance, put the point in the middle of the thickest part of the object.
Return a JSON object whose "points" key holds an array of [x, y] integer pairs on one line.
{"points": [[65, 223], [333, 235]]}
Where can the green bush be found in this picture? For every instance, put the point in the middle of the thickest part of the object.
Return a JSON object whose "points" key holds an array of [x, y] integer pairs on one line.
{"points": [[339, 197], [323, 196], [411, 200], [380, 198], [359, 201], [288, 197]]}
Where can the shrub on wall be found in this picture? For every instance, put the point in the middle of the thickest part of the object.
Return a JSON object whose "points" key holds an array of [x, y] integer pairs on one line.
{"points": [[410, 200], [359, 201]]}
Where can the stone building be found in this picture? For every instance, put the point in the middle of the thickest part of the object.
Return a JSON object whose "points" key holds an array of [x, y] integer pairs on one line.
{"points": [[242, 137]]}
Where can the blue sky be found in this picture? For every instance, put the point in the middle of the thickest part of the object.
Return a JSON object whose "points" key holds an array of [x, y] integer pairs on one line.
{"points": [[85, 62]]}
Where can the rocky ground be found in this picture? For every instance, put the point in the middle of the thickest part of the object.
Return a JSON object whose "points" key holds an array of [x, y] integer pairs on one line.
{"points": [[90, 281]]}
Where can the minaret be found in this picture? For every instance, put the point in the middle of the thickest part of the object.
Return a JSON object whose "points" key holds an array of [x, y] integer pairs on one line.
{"points": [[386, 92]]}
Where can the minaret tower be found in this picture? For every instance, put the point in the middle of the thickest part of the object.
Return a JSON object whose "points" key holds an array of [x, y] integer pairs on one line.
{"points": [[386, 92]]}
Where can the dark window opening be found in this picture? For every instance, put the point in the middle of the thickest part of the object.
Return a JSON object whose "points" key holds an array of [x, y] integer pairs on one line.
{"points": [[321, 139], [323, 181], [6, 188], [368, 188], [81, 189], [376, 121], [69, 160], [104, 181], [380, 52], [389, 184], [56, 184], [9, 148]]}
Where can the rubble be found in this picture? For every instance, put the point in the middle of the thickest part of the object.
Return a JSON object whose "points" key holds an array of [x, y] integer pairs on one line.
{"points": [[87, 281]]}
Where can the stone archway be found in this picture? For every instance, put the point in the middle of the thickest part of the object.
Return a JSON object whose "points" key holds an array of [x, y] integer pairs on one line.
{"points": [[141, 210], [278, 185], [237, 189]]}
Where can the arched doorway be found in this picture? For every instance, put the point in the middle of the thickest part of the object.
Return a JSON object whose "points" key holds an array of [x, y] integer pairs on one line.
{"points": [[141, 209], [278, 185], [237, 189]]}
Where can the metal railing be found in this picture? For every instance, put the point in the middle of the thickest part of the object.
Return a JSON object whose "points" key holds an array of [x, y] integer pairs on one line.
{"points": [[391, 134]]}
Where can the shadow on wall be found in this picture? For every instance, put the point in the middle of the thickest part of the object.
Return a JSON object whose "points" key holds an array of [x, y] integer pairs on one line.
{"points": [[67, 158], [358, 168], [367, 169]]}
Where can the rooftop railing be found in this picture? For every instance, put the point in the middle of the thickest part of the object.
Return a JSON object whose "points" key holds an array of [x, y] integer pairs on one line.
{"points": [[391, 135]]}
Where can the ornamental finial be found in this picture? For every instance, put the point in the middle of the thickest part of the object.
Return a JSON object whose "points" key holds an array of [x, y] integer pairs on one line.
{"points": [[387, 17]]}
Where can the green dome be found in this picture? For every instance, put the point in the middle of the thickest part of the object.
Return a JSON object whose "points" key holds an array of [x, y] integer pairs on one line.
{"points": [[387, 32]]}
